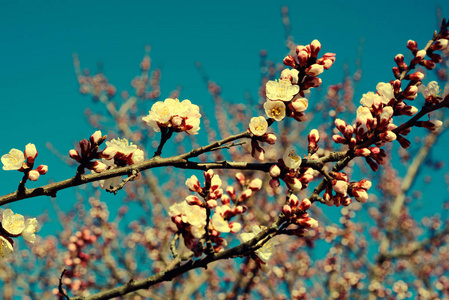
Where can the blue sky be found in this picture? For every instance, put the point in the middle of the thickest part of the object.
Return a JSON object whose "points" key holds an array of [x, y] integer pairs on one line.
{"points": [[39, 94]]}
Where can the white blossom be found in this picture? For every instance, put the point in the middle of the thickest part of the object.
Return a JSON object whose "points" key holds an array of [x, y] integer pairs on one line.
{"points": [[258, 126], [275, 109], [13, 160], [432, 89], [386, 90], [13, 223], [264, 252], [190, 214], [291, 159], [281, 90], [30, 229]]}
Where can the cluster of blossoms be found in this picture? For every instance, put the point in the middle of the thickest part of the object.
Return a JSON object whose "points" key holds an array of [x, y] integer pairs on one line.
{"points": [[118, 153], [344, 190], [12, 226], [288, 169], [193, 216], [174, 115], [296, 213], [24, 162], [285, 97]]}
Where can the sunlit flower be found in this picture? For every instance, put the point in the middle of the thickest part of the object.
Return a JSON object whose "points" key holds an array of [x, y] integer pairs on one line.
{"points": [[13, 223], [291, 159], [371, 98], [181, 116], [264, 252], [281, 90], [5, 247], [432, 89], [258, 126], [126, 151], [193, 215], [13, 160], [159, 115], [30, 229], [218, 222], [275, 109], [386, 90]]}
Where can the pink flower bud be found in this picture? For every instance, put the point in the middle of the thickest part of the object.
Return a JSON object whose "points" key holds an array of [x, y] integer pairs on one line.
{"points": [[75, 155], [314, 70], [212, 204], [315, 47], [193, 184], [94, 138], [362, 152], [340, 186], [293, 201], [417, 76], [420, 55], [339, 139], [345, 201], [412, 45], [255, 184], [274, 183], [300, 48], [372, 164], [42, 169], [396, 73], [341, 125], [293, 183], [309, 222], [305, 204], [303, 56], [387, 136], [432, 124], [365, 184], [257, 152], [399, 59], [240, 209], [287, 210], [313, 137], [289, 61], [33, 175], [208, 175], [30, 153], [108, 153], [240, 178], [360, 195], [436, 58], [193, 200], [269, 138], [397, 85], [440, 44], [275, 171], [85, 147], [231, 192], [99, 167], [245, 195], [428, 64], [225, 200], [410, 92], [403, 142]]}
